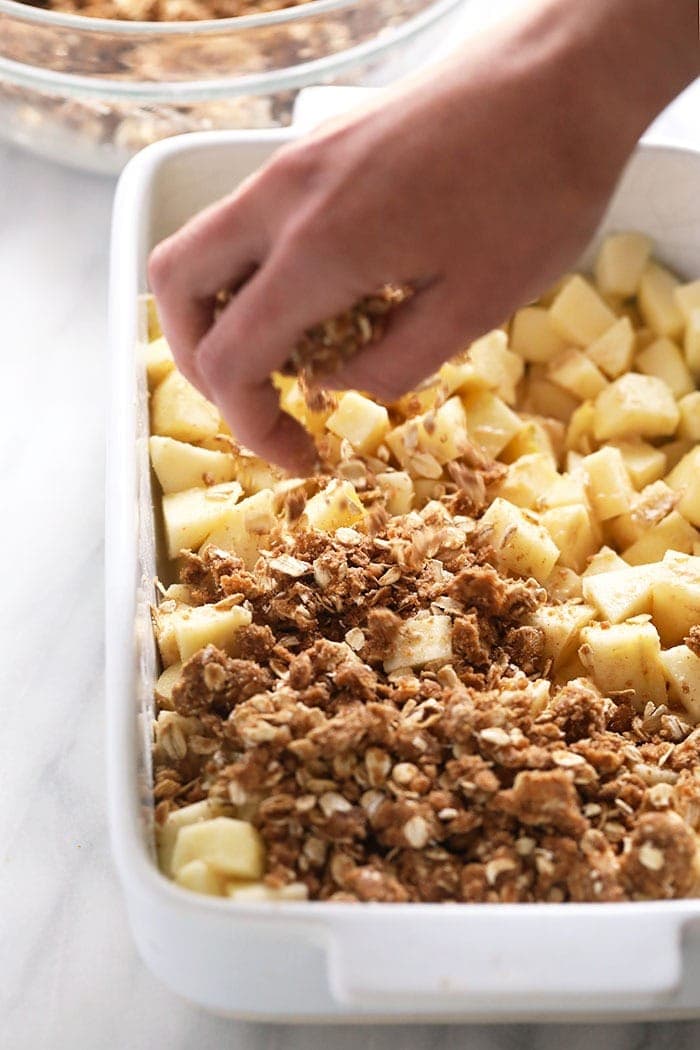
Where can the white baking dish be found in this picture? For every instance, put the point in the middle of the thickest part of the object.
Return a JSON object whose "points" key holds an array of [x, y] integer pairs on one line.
{"points": [[337, 961]]}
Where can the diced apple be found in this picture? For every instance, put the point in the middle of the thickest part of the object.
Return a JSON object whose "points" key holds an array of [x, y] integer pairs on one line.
{"points": [[674, 451], [579, 314], [682, 669], [442, 432], [256, 474], [500, 369], [672, 533], [657, 301], [612, 352], [293, 402], [687, 298], [159, 362], [677, 597], [689, 425], [181, 412], [152, 319], [568, 488], [191, 515], [561, 626], [201, 625], [579, 432], [523, 545], [490, 423], [246, 527], [179, 466], [361, 421], [620, 263], [575, 372], [574, 532], [533, 337], [165, 683], [685, 479], [625, 656], [605, 560], [527, 479], [167, 832], [623, 593], [691, 343], [544, 398], [663, 359], [335, 506], [398, 491], [635, 406], [534, 438], [644, 463], [200, 877], [608, 483], [229, 846], [419, 641], [562, 584], [647, 509]]}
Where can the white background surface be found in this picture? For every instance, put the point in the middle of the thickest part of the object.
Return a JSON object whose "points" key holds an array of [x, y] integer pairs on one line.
{"points": [[69, 976]]}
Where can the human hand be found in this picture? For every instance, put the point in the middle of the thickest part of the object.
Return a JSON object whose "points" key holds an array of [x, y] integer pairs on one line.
{"points": [[477, 185]]}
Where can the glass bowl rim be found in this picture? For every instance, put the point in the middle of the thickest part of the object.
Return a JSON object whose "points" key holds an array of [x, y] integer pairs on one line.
{"points": [[185, 91]]}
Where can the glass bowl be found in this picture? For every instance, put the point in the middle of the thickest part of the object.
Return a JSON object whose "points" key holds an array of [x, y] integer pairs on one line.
{"points": [[90, 92]]}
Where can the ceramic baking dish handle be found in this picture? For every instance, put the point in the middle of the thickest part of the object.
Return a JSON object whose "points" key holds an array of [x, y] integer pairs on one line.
{"points": [[524, 952]]}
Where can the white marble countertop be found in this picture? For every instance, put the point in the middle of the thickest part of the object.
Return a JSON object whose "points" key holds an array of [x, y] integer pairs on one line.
{"points": [[70, 978]]}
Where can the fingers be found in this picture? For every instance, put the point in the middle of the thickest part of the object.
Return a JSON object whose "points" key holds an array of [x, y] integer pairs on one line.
{"points": [[421, 335], [216, 250], [255, 335]]}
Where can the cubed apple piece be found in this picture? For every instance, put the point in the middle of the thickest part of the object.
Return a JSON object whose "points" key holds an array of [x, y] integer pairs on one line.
{"points": [[575, 534], [523, 545], [657, 301], [454, 377], [604, 560], [608, 483], [165, 683], [181, 412], [541, 397], [259, 893], [245, 528], [179, 466], [398, 491], [685, 479], [293, 402], [256, 474], [562, 584], [682, 669], [691, 343], [635, 406], [625, 656], [200, 877], [336, 506], [674, 451], [164, 628], [419, 641], [613, 351], [663, 358], [568, 488], [490, 423], [527, 479], [229, 846], [673, 532], [360, 421], [579, 431], [167, 832], [644, 463], [579, 314], [648, 508], [561, 626], [621, 262], [442, 432], [689, 425], [533, 438], [575, 372], [677, 597], [191, 515], [159, 362], [500, 369], [623, 593], [152, 320], [202, 625], [687, 298], [533, 336]]}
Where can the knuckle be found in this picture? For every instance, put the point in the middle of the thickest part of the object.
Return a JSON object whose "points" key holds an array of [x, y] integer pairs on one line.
{"points": [[162, 265]]}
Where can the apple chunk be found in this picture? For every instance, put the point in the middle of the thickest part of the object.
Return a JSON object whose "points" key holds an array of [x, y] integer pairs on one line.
{"points": [[625, 656], [179, 466]]}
